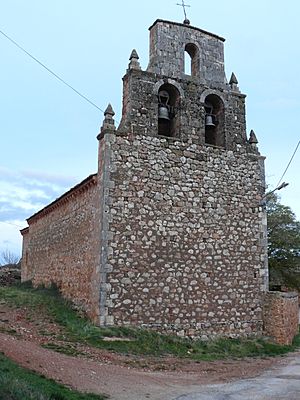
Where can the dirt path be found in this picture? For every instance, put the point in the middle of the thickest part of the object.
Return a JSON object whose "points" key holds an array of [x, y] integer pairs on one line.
{"points": [[126, 383], [122, 377]]}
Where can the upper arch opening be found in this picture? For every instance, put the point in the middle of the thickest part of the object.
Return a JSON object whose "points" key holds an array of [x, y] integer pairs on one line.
{"points": [[191, 59]]}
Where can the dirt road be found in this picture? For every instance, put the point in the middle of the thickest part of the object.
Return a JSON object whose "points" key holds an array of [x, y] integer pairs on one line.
{"points": [[112, 377]]}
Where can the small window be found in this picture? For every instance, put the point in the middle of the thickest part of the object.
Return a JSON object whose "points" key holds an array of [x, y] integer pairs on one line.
{"points": [[187, 64], [191, 59]]}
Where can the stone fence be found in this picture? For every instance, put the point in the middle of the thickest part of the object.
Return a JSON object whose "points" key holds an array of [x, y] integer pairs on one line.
{"points": [[281, 316], [9, 275]]}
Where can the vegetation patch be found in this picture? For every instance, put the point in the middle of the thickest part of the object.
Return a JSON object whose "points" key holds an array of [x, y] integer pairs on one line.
{"points": [[283, 245], [65, 349], [78, 330], [9, 331], [17, 383]]}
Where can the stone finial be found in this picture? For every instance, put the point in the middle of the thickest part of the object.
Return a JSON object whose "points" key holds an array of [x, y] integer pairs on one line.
{"points": [[109, 111], [134, 60], [234, 83], [134, 55], [252, 138], [186, 22], [233, 79], [108, 125]]}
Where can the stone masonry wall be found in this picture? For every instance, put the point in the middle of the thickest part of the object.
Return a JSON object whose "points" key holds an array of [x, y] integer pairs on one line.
{"points": [[140, 109], [167, 45], [186, 248], [62, 247], [281, 316]]}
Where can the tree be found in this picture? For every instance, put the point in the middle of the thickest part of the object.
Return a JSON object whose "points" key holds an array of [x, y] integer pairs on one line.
{"points": [[283, 244], [8, 258]]}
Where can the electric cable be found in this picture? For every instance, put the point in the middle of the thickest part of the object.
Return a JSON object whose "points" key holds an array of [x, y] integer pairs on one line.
{"points": [[289, 163], [10, 223], [94, 105], [50, 71]]}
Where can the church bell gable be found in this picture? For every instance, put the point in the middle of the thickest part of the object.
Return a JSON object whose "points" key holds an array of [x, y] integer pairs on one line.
{"points": [[198, 105]]}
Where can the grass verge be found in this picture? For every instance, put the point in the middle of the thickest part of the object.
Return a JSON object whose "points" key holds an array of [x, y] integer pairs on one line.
{"points": [[77, 329], [18, 383]]}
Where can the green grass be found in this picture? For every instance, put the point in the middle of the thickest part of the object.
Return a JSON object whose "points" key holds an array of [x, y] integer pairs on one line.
{"points": [[65, 349], [77, 329], [17, 383]]}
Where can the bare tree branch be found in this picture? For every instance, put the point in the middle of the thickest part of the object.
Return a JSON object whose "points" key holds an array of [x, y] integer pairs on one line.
{"points": [[7, 257]]}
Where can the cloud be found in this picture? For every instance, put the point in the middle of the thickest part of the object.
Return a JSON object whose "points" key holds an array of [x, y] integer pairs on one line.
{"points": [[13, 190], [29, 190], [22, 193], [10, 236], [45, 179]]}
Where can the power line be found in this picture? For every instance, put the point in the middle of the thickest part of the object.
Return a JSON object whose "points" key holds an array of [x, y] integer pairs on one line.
{"points": [[289, 163], [10, 223], [95, 105], [50, 71]]}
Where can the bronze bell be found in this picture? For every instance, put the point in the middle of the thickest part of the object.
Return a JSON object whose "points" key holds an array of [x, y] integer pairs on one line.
{"points": [[163, 112], [209, 120]]}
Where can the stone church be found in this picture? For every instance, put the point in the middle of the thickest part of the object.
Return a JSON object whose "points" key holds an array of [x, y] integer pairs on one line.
{"points": [[170, 233]]}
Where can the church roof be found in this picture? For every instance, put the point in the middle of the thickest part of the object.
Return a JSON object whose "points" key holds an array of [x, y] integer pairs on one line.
{"points": [[84, 185], [189, 27]]}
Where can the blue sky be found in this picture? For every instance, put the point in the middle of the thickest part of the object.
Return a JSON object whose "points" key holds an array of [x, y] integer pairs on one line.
{"points": [[48, 133]]}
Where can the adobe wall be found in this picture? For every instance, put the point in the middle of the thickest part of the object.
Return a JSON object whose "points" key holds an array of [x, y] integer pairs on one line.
{"points": [[281, 316], [62, 246], [187, 245]]}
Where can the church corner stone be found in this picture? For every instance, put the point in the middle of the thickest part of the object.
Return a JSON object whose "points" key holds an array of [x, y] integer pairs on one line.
{"points": [[170, 232]]}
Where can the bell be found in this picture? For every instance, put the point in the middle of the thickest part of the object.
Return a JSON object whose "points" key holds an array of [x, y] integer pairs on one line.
{"points": [[209, 120], [163, 112]]}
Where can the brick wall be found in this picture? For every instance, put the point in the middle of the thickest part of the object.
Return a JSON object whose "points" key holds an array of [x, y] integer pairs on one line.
{"points": [[281, 316], [61, 246]]}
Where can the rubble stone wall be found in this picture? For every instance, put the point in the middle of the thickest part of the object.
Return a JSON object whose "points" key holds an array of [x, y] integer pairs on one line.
{"points": [[140, 109], [167, 46], [187, 245], [62, 247], [9, 275], [281, 316]]}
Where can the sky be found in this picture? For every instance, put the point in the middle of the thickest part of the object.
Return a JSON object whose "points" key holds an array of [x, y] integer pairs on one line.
{"points": [[48, 133]]}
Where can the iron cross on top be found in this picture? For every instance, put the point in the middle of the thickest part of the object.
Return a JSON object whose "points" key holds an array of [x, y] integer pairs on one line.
{"points": [[183, 5]]}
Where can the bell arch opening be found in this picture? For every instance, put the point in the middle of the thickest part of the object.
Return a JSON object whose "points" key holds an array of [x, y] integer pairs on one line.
{"points": [[214, 121], [191, 59], [168, 118]]}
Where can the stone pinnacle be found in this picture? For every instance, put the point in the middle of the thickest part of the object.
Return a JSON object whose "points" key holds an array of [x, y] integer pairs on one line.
{"points": [[109, 110], [252, 138], [233, 79], [134, 55]]}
